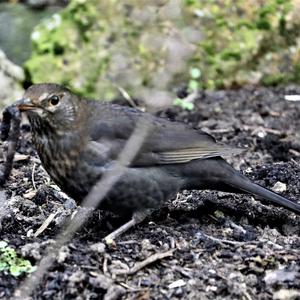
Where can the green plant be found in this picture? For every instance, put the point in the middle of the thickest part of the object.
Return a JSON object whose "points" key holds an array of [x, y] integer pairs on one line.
{"points": [[194, 83], [11, 263], [193, 87], [183, 103], [94, 46]]}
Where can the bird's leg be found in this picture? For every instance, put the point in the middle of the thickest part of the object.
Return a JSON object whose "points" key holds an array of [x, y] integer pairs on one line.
{"points": [[137, 218]]}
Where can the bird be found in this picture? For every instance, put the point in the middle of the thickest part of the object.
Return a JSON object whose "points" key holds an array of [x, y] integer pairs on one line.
{"points": [[78, 141]]}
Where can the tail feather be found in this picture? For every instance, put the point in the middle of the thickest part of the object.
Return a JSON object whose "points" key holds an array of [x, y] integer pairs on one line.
{"points": [[244, 184], [217, 174]]}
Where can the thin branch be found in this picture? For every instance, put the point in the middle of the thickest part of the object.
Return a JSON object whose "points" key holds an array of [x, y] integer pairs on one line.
{"points": [[222, 241], [32, 176], [126, 96], [93, 199], [149, 260], [45, 225]]}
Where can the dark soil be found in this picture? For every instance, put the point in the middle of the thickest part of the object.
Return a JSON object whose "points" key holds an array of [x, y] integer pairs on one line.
{"points": [[225, 246]]}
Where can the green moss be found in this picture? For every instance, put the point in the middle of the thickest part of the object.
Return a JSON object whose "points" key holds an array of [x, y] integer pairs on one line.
{"points": [[273, 79], [11, 263], [96, 46]]}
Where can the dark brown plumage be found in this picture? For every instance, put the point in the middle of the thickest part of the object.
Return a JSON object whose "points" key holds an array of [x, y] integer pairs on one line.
{"points": [[78, 140]]}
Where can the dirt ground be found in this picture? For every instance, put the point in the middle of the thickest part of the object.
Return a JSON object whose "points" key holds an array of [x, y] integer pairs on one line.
{"points": [[216, 245]]}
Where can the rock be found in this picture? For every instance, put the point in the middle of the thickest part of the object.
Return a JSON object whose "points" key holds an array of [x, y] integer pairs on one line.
{"points": [[63, 253], [279, 276], [11, 77], [279, 187], [16, 24], [99, 248], [176, 284], [32, 250], [286, 294]]}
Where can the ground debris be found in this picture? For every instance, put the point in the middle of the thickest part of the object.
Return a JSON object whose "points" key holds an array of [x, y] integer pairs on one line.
{"points": [[227, 246]]}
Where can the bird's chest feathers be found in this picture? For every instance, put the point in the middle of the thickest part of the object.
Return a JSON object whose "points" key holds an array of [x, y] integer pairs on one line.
{"points": [[59, 152]]}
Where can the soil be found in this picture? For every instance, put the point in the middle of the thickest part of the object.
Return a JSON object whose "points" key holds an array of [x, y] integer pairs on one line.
{"points": [[223, 246]]}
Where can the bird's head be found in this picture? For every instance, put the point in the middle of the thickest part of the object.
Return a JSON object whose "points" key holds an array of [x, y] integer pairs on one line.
{"points": [[49, 103]]}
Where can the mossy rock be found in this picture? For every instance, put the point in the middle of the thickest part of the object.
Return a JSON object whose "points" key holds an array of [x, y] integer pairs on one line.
{"points": [[16, 24], [148, 47]]}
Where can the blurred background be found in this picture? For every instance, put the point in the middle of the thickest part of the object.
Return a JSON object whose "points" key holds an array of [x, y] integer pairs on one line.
{"points": [[160, 51]]}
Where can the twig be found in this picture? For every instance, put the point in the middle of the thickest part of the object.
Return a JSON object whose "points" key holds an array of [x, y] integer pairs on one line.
{"points": [[93, 199], [149, 260], [256, 129], [237, 227], [221, 241], [132, 289], [236, 243], [126, 95], [247, 295], [32, 176], [294, 152], [105, 261], [3, 205], [45, 224]]}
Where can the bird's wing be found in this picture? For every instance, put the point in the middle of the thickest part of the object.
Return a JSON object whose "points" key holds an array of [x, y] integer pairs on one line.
{"points": [[176, 143], [166, 142]]}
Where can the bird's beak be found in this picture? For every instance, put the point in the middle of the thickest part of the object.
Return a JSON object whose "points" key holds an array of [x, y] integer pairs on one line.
{"points": [[25, 104]]}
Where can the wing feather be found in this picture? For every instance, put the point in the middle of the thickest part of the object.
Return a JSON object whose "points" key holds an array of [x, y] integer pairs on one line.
{"points": [[167, 142]]}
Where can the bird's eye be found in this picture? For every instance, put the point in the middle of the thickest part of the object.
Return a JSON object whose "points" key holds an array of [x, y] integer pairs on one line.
{"points": [[54, 100]]}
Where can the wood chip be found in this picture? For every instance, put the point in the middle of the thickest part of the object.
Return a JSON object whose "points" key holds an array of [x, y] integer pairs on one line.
{"points": [[177, 284], [29, 195], [45, 224], [20, 157], [149, 260], [292, 97]]}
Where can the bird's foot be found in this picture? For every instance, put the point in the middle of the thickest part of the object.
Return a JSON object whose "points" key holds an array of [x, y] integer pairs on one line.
{"points": [[137, 218]]}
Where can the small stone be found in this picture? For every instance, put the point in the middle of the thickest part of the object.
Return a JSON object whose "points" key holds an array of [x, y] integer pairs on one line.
{"points": [[29, 233], [292, 97], [146, 244], [251, 279], [29, 195], [279, 187], [261, 134], [32, 250], [279, 276], [20, 157], [286, 294], [63, 253], [211, 288], [98, 247], [76, 277], [177, 283]]}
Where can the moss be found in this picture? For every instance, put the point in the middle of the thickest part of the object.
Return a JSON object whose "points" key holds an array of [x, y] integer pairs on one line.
{"points": [[97, 46], [11, 263], [273, 79]]}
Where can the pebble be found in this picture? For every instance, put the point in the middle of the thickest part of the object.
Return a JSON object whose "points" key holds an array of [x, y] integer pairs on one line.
{"points": [[176, 284], [279, 187], [29, 195], [98, 247]]}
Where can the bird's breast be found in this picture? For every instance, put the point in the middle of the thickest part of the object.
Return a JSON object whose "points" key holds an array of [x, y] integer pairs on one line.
{"points": [[58, 155]]}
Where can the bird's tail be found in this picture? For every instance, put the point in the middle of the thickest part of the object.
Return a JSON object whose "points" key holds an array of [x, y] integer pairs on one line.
{"points": [[217, 174], [242, 183]]}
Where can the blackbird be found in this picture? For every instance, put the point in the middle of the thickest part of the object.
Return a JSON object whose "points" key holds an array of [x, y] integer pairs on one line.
{"points": [[78, 140]]}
